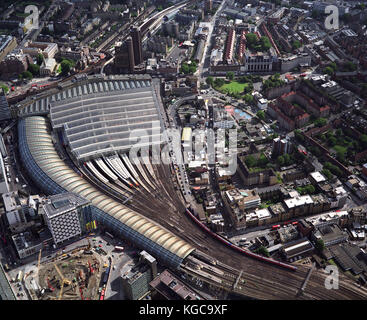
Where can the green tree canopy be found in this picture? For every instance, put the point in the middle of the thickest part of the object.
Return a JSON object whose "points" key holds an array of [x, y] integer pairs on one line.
{"points": [[248, 98], [261, 114], [6, 89], [250, 161], [320, 122], [66, 66], [320, 245], [40, 58], [210, 80], [34, 69], [280, 161], [296, 44], [230, 75], [328, 70], [26, 75], [218, 82]]}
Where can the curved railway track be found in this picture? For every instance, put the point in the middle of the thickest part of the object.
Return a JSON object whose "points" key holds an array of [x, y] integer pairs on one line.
{"points": [[262, 281]]}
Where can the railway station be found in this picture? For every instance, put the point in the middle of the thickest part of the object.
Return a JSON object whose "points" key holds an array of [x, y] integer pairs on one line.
{"points": [[135, 198]]}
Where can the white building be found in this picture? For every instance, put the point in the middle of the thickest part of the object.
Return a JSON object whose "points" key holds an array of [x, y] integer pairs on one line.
{"points": [[317, 177], [48, 66]]}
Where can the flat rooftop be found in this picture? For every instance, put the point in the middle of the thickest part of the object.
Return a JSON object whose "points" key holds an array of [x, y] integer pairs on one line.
{"points": [[61, 203], [172, 288]]}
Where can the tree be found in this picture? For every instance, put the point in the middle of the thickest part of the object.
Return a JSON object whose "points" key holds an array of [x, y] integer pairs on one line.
{"points": [[363, 140], [5, 88], [280, 161], [327, 173], [350, 66], [65, 67], [320, 122], [262, 250], [263, 160], [40, 58], [185, 68], [298, 135], [261, 114], [230, 75], [34, 69], [296, 44], [218, 82], [251, 39], [192, 68], [332, 141], [328, 70], [210, 81], [250, 161], [310, 189], [320, 245], [265, 43], [248, 98], [287, 159], [26, 75]]}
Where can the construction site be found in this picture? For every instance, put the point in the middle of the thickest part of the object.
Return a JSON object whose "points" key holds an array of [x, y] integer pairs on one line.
{"points": [[72, 277], [75, 275]]}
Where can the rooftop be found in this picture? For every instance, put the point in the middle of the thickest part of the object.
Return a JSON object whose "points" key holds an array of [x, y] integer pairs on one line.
{"points": [[317, 176], [61, 203], [298, 201], [172, 288]]}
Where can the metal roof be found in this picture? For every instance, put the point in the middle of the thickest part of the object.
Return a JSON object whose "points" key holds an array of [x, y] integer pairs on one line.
{"points": [[100, 121], [68, 179]]}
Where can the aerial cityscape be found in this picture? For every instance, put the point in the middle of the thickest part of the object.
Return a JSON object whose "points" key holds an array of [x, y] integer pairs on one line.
{"points": [[196, 150]]}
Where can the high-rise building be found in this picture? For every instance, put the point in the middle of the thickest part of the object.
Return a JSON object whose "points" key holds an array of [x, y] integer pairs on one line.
{"points": [[137, 45], [135, 280], [63, 216], [124, 56], [281, 146], [5, 113], [208, 5]]}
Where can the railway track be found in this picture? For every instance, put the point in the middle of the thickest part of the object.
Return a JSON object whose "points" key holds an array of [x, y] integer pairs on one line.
{"points": [[262, 281]]}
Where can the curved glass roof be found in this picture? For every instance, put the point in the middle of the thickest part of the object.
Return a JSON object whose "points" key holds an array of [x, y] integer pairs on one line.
{"points": [[69, 180]]}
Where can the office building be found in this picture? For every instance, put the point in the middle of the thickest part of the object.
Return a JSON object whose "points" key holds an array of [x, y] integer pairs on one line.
{"points": [[137, 45], [167, 286], [208, 5], [62, 214], [124, 57], [7, 44], [5, 113], [281, 146], [136, 279]]}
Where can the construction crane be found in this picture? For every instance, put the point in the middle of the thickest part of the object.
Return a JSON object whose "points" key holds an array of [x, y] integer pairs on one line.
{"points": [[39, 259], [63, 281], [81, 293], [90, 268], [49, 285]]}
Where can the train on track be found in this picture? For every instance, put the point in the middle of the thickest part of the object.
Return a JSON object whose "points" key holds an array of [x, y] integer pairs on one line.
{"points": [[237, 248]]}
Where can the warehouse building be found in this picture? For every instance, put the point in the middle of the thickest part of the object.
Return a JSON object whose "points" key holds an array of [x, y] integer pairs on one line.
{"points": [[297, 250]]}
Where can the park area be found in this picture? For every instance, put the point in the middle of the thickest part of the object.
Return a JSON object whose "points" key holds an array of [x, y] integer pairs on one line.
{"points": [[233, 87]]}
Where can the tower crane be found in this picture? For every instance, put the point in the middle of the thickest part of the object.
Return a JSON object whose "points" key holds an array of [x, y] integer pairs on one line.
{"points": [[63, 281]]}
